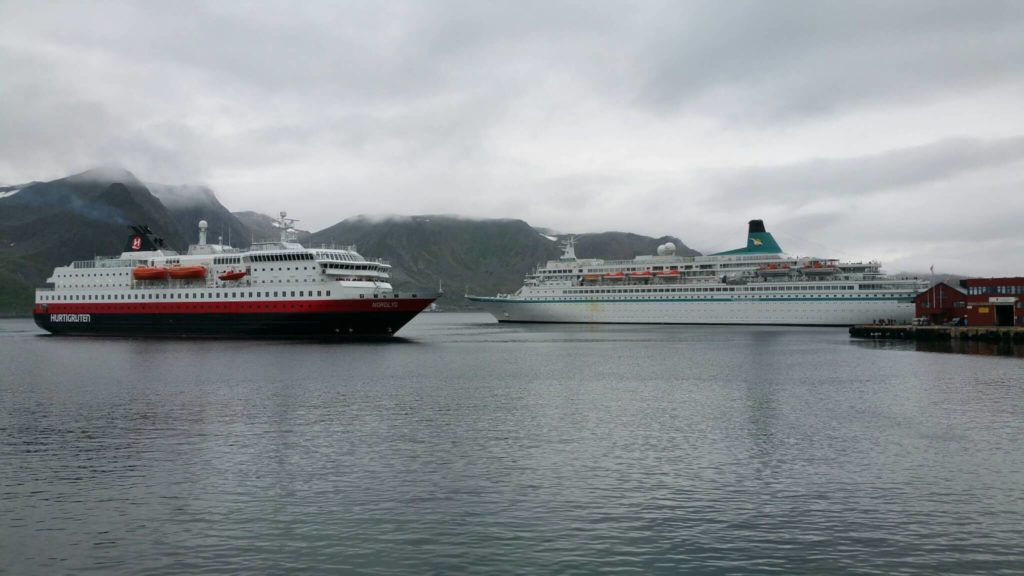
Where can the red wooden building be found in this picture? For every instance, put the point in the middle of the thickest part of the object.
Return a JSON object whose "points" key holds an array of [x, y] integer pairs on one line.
{"points": [[941, 303], [977, 301]]}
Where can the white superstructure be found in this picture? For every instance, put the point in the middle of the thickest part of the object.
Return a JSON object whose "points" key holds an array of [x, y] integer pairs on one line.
{"points": [[757, 284]]}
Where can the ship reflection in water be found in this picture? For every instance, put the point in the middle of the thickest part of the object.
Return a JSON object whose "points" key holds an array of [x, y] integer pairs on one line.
{"points": [[946, 346]]}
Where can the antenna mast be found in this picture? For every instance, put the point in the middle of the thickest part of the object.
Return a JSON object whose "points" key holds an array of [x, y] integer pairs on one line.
{"points": [[569, 248], [284, 223]]}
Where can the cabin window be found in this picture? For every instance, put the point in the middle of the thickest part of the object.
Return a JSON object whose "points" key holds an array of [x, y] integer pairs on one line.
{"points": [[328, 292]]}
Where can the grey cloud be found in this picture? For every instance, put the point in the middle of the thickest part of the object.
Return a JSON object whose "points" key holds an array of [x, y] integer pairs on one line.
{"points": [[442, 75], [851, 177], [500, 108], [787, 59]]}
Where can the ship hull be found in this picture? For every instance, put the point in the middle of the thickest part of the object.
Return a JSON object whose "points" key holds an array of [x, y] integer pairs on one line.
{"points": [[787, 312], [360, 318]]}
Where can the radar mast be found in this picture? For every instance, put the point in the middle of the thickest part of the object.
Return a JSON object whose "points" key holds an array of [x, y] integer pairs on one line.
{"points": [[284, 223], [569, 248]]}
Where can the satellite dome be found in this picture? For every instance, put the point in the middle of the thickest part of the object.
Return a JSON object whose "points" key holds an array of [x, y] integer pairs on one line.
{"points": [[667, 249], [203, 225]]}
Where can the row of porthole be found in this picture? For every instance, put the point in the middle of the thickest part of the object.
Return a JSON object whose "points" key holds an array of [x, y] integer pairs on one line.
{"points": [[195, 296], [686, 298]]}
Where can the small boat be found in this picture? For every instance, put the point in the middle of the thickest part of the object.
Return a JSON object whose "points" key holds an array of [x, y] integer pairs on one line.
{"points": [[592, 277], [644, 274], [232, 276], [818, 268], [186, 272], [614, 276], [149, 273]]}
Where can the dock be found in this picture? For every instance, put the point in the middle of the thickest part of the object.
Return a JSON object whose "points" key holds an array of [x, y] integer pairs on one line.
{"points": [[1009, 334]]}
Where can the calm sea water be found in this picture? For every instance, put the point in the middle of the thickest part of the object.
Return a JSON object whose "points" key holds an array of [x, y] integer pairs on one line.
{"points": [[469, 447]]}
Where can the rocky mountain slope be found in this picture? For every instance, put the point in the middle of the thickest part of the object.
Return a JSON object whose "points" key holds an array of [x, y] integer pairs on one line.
{"points": [[188, 204], [46, 224], [466, 255]]}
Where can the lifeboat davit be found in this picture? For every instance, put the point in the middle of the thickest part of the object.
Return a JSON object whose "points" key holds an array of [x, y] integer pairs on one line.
{"points": [[149, 273], [232, 276], [186, 272]]}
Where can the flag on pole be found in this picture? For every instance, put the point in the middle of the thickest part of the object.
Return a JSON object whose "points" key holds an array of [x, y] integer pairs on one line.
{"points": [[931, 295]]}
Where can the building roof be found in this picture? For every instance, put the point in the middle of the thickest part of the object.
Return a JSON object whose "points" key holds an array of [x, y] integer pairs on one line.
{"points": [[927, 293], [1007, 281]]}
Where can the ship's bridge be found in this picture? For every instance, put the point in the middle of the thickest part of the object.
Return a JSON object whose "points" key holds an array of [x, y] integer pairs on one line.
{"points": [[347, 263]]}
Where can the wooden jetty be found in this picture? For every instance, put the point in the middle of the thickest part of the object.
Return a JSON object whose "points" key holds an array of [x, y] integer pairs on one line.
{"points": [[1009, 334]]}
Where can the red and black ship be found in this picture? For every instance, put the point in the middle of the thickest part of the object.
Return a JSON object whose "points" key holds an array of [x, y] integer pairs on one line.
{"points": [[271, 289]]}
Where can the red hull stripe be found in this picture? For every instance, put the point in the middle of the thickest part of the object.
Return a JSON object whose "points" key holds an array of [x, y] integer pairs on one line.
{"points": [[238, 307]]}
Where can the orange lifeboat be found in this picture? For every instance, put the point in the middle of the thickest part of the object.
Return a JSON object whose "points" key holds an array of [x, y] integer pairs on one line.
{"points": [[669, 274], [644, 274], [614, 276], [149, 273], [186, 272], [233, 275]]}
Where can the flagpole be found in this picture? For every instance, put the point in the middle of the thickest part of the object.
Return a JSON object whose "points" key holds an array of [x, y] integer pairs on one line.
{"points": [[931, 279]]}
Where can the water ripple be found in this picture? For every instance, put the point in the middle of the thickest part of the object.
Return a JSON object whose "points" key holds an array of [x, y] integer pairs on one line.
{"points": [[477, 449]]}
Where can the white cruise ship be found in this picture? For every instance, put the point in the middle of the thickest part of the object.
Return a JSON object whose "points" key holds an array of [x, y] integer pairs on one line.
{"points": [[756, 284]]}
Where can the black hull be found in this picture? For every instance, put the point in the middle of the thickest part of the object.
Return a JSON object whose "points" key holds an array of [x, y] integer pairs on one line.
{"points": [[272, 325]]}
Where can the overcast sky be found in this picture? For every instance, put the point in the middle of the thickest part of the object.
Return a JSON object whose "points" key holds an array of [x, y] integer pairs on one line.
{"points": [[875, 130]]}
